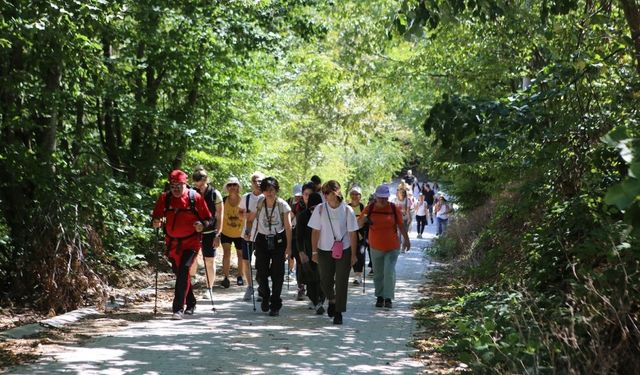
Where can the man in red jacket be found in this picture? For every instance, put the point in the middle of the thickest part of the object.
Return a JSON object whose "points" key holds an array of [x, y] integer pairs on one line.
{"points": [[186, 214]]}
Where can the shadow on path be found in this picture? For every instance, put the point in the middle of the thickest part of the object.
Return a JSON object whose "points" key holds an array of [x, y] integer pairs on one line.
{"points": [[237, 340]]}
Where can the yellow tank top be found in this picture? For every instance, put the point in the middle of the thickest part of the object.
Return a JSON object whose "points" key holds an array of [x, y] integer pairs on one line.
{"points": [[232, 222]]}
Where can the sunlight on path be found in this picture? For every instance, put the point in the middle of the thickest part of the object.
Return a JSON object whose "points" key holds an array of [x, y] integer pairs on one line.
{"points": [[237, 340]]}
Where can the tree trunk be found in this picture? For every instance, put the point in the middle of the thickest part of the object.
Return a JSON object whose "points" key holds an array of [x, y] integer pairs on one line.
{"points": [[632, 14]]}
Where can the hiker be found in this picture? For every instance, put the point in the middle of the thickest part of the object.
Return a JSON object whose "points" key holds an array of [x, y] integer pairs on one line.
{"points": [[409, 178], [308, 269], [355, 195], [232, 232], [429, 198], [421, 215], [404, 203], [247, 205], [442, 209], [271, 233], [186, 215], [334, 233], [211, 234], [297, 204], [385, 221]]}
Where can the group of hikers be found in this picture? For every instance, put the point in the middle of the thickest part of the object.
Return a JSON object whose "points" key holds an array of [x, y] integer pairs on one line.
{"points": [[316, 229]]}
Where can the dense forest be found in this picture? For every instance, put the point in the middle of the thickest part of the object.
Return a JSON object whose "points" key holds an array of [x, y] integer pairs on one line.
{"points": [[527, 110]]}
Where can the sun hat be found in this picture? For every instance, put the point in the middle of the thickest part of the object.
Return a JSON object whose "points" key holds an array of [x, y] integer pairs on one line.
{"points": [[382, 191], [297, 190], [355, 189], [230, 181]]}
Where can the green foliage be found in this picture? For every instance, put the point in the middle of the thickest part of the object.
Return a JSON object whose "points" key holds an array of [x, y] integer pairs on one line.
{"points": [[550, 268]]}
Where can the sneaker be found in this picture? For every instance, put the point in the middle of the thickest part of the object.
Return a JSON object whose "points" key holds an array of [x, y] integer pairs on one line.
{"points": [[387, 303], [300, 296], [240, 282], [190, 310], [248, 294], [225, 283], [356, 281], [264, 304], [258, 299], [337, 319], [379, 302], [419, 236], [319, 309], [370, 272], [177, 315], [331, 310], [274, 312]]}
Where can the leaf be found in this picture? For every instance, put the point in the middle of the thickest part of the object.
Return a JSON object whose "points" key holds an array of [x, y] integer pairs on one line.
{"points": [[617, 196], [634, 170]]}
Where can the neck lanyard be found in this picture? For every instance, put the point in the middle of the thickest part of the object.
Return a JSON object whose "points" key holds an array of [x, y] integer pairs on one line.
{"points": [[269, 217]]}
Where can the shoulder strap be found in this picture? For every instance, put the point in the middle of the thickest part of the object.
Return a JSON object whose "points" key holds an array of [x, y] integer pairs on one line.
{"points": [[224, 199], [213, 196], [246, 205], [361, 207], [167, 202], [192, 203]]}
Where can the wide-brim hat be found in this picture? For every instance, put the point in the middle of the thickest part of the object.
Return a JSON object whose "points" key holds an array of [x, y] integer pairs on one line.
{"points": [[231, 181]]}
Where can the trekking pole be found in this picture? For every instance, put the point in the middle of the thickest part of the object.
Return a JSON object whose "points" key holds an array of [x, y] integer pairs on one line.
{"points": [[155, 306], [286, 265], [253, 296], [206, 273], [364, 266]]}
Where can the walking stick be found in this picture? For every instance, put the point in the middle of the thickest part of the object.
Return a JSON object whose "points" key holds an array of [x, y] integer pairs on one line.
{"points": [[364, 266], [206, 273], [155, 306], [253, 295]]}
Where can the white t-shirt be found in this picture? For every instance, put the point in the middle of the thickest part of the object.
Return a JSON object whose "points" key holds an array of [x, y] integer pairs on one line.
{"points": [[269, 219], [422, 209], [343, 221], [253, 202], [442, 212]]}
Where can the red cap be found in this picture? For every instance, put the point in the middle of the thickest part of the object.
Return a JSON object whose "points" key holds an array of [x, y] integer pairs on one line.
{"points": [[177, 177]]}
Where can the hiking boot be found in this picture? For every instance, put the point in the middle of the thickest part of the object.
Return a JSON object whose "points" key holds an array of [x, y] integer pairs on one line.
{"points": [[379, 302], [190, 310], [331, 310], [225, 283], [177, 315], [387, 303], [264, 304], [337, 319], [300, 296], [319, 309], [239, 281], [274, 312], [248, 294]]}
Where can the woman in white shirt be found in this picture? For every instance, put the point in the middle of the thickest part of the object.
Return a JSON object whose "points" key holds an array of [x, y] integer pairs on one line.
{"points": [[271, 233], [334, 231], [421, 214], [442, 210]]}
